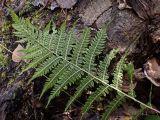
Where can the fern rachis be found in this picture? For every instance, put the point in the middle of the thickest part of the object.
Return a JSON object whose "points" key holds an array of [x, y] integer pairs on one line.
{"points": [[70, 64]]}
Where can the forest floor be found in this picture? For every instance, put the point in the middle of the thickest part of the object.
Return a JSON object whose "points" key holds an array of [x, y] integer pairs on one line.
{"points": [[17, 103]]}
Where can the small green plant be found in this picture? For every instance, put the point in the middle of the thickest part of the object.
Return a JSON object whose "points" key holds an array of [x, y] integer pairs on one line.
{"points": [[67, 60]]}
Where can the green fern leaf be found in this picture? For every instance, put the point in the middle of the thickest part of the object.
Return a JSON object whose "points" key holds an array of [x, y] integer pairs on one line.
{"points": [[15, 18], [61, 39], [37, 61], [69, 78], [101, 91], [84, 85], [46, 67], [68, 61], [118, 74], [81, 47], [26, 31], [113, 105], [70, 41], [54, 77], [96, 48], [103, 67]]}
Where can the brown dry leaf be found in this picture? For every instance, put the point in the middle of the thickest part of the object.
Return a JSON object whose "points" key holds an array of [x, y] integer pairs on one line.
{"points": [[152, 70], [17, 54]]}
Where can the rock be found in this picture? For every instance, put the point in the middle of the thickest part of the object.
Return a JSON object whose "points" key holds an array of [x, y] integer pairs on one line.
{"points": [[143, 8], [66, 3], [104, 18], [123, 4], [93, 10], [51, 4], [146, 9], [54, 5], [39, 2], [125, 29]]}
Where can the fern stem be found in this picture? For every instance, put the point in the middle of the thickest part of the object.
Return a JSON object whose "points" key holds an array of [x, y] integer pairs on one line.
{"points": [[104, 82]]}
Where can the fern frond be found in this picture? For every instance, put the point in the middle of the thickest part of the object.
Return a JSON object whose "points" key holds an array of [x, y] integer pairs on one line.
{"points": [[101, 91], [61, 35], [118, 74], [48, 26], [84, 85], [37, 61], [113, 105], [15, 18], [46, 67], [96, 48], [26, 31], [57, 74], [103, 67], [69, 78], [81, 47], [54, 77], [69, 43], [58, 55]]}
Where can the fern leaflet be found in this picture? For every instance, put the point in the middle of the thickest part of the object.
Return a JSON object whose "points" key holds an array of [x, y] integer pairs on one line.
{"points": [[113, 105]]}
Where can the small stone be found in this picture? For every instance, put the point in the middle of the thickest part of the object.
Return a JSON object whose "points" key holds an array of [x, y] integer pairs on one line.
{"points": [[38, 2], [66, 3], [54, 5]]}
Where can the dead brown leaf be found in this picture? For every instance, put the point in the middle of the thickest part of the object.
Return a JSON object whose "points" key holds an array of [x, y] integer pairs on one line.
{"points": [[18, 54]]}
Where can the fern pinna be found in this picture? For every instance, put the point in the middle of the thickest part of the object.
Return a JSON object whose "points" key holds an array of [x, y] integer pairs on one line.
{"points": [[67, 60]]}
